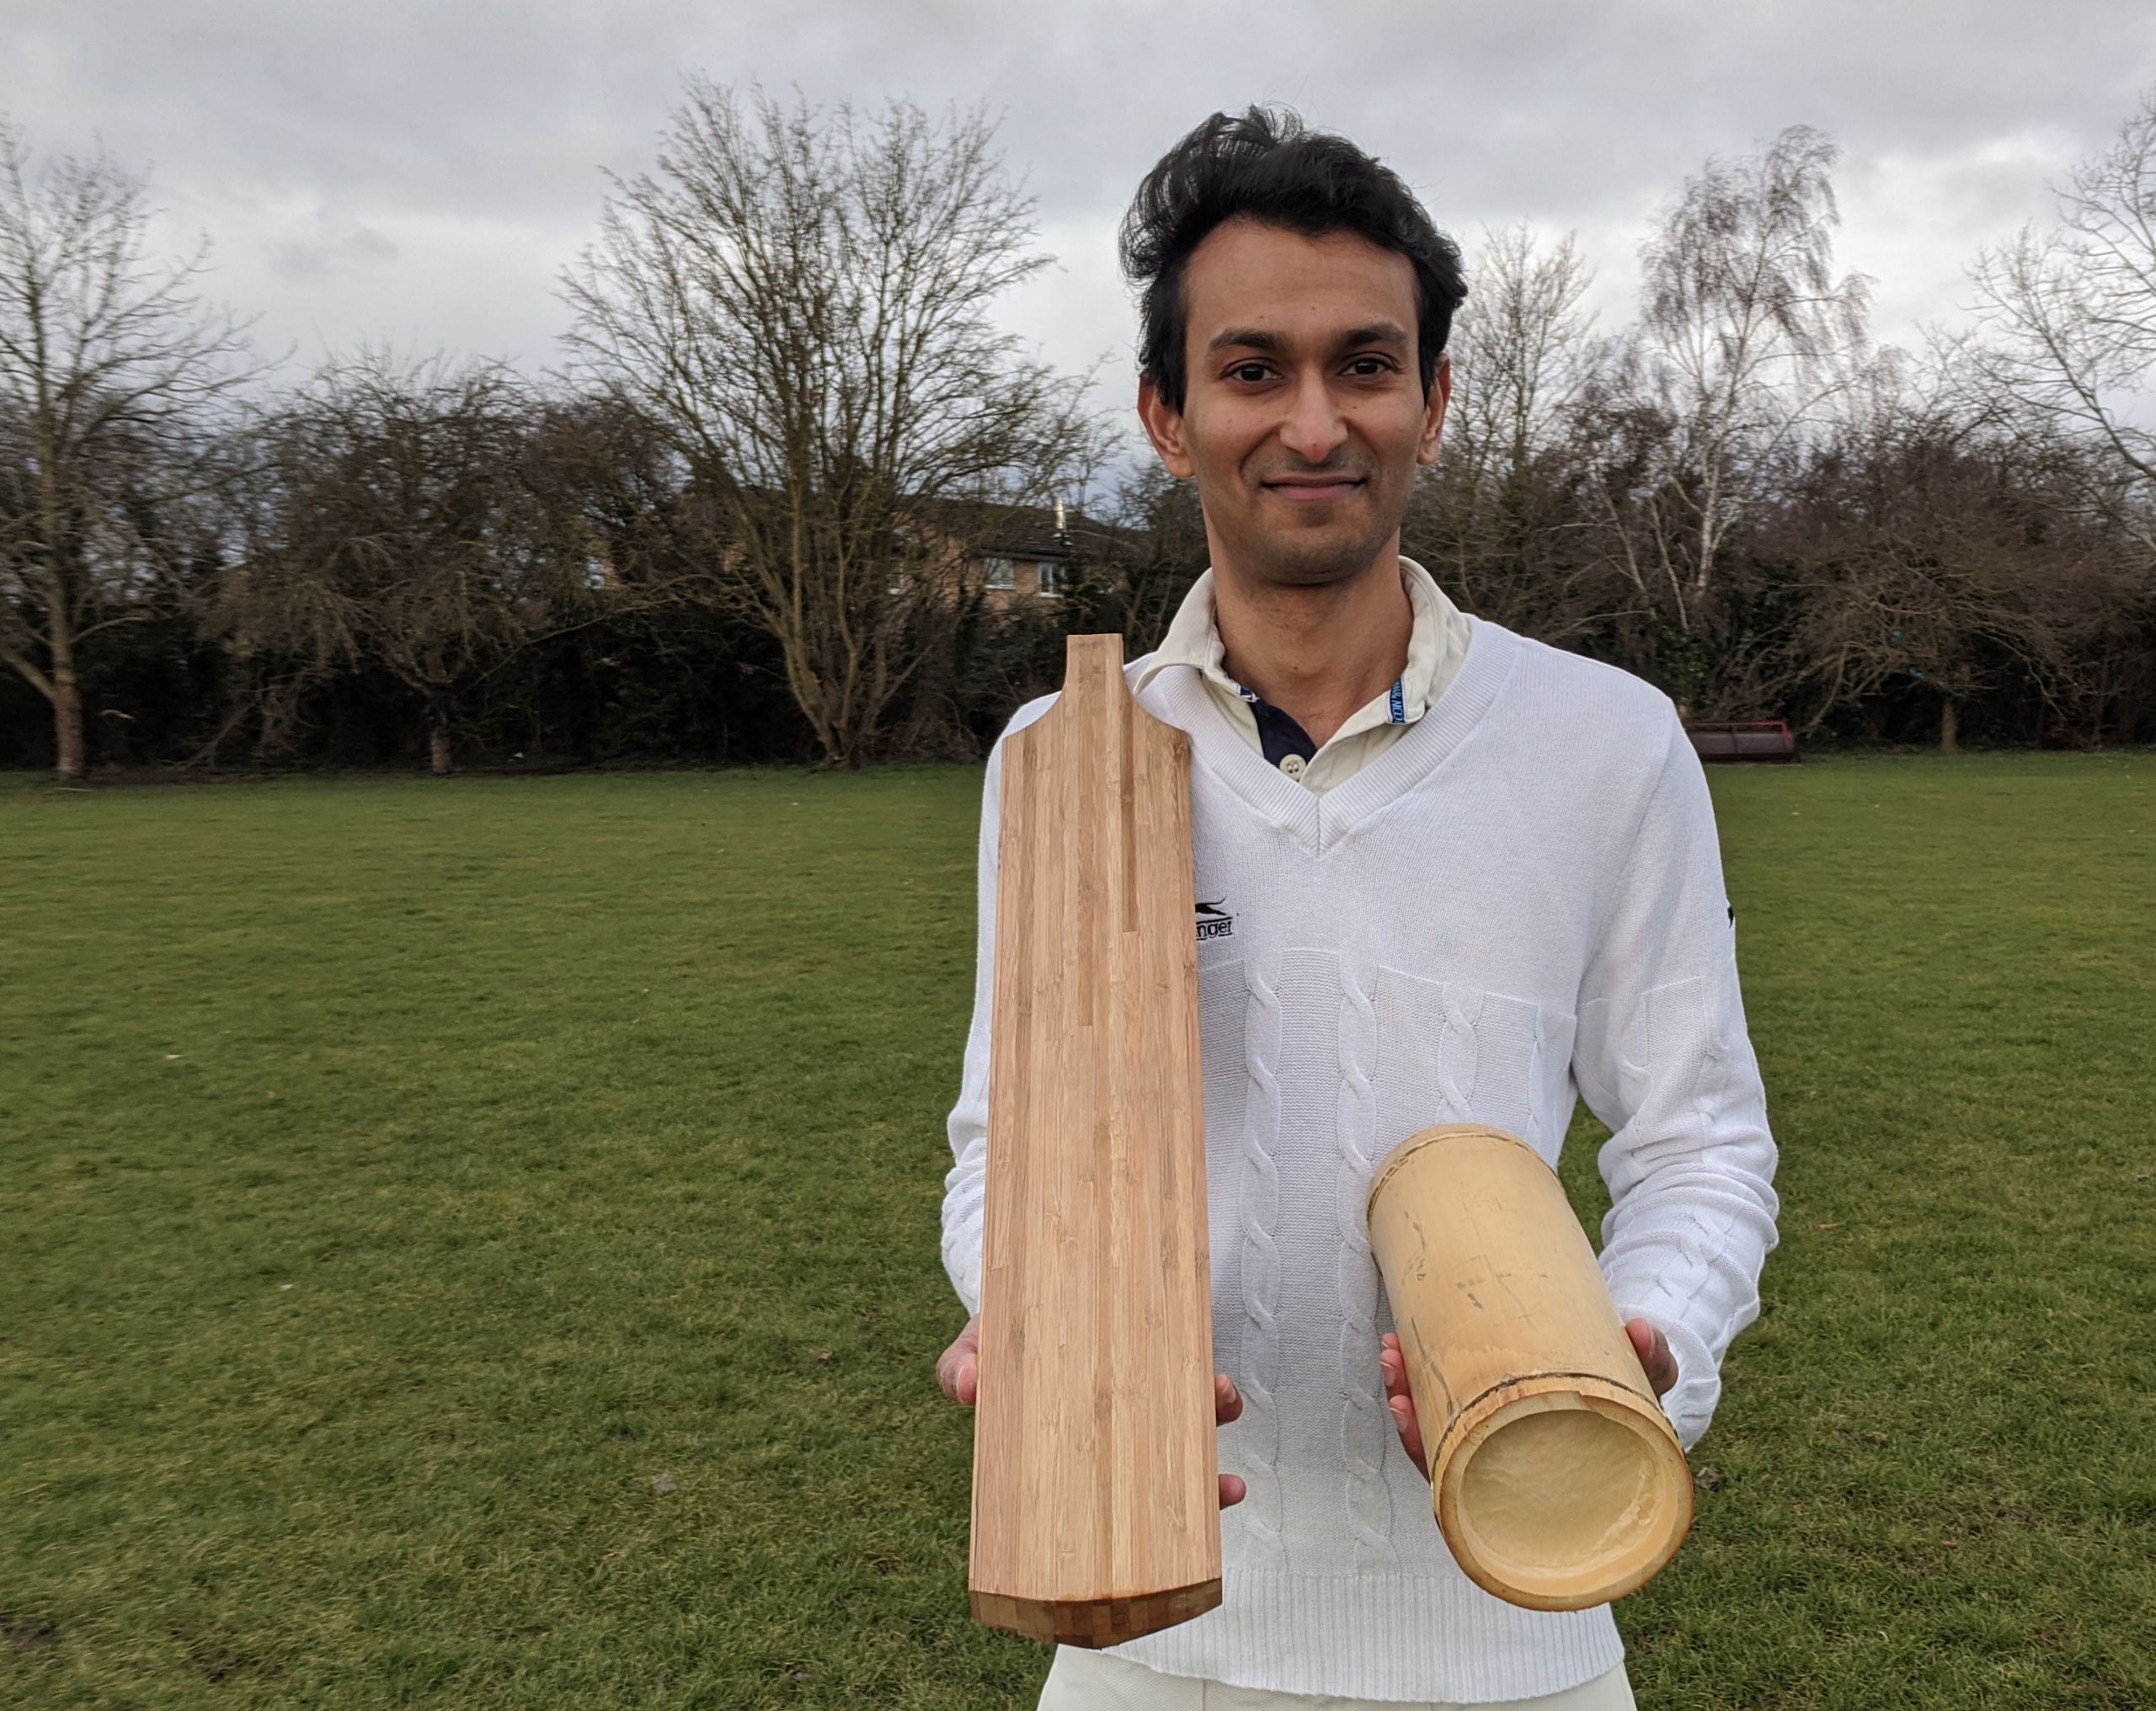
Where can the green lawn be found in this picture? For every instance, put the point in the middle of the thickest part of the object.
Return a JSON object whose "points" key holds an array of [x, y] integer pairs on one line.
{"points": [[474, 1244]]}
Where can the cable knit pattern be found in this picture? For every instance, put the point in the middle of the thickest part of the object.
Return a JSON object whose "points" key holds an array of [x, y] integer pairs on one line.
{"points": [[1519, 902], [1261, 1510], [1365, 1425], [1456, 1055]]}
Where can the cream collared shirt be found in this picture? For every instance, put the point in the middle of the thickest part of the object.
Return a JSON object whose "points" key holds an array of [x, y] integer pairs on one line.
{"points": [[1435, 646]]}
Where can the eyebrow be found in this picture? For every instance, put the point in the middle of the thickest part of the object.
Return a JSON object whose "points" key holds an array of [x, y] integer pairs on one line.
{"points": [[1248, 338], [1257, 339]]}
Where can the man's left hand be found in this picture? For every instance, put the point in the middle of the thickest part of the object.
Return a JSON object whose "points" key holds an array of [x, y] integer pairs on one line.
{"points": [[1650, 1345]]}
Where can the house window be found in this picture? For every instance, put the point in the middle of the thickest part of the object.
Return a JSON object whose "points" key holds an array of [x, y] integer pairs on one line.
{"points": [[1052, 580], [1000, 573]]}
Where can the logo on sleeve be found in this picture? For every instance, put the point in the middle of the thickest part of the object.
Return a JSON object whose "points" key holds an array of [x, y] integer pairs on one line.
{"points": [[1214, 922]]}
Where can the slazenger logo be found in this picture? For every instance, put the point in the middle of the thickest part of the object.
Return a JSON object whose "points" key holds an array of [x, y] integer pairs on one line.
{"points": [[1214, 922]]}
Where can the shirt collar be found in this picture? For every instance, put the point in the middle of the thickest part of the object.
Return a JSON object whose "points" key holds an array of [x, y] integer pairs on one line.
{"points": [[1434, 644]]}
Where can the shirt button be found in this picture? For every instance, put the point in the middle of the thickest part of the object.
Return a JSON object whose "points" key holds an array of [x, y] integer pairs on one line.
{"points": [[1294, 766]]}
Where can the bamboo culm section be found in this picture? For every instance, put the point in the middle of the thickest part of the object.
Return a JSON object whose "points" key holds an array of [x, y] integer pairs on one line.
{"points": [[1557, 1480]]}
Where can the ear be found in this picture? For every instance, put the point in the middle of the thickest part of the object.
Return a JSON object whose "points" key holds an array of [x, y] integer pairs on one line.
{"points": [[1433, 412], [1164, 427]]}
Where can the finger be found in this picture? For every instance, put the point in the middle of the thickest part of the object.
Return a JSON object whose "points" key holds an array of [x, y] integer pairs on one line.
{"points": [[1395, 1369], [957, 1369], [1232, 1491], [1409, 1428], [1227, 1401], [1655, 1360], [958, 1375]]}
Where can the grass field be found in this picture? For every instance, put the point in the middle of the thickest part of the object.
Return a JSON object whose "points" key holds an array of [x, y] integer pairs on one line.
{"points": [[474, 1244]]}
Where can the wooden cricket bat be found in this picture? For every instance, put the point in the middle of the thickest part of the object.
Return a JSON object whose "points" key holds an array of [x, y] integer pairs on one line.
{"points": [[1095, 1511]]}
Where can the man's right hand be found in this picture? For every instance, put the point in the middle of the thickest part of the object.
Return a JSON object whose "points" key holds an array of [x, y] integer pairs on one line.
{"points": [[958, 1373]]}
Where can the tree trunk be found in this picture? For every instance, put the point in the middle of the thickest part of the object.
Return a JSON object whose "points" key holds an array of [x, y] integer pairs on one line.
{"points": [[67, 721], [1949, 725], [438, 740]]}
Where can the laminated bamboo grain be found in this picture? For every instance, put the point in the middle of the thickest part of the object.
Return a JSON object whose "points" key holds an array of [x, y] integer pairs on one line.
{"points": [[1095, 1504], [1557, 1482]]}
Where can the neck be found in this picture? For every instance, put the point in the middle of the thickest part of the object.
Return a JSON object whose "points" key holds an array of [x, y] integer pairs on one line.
{"points": [[1316, 653]]}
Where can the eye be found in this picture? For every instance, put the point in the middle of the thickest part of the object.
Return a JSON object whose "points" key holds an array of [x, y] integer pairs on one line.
{"points": [[1370, 367], [1249, 373]]}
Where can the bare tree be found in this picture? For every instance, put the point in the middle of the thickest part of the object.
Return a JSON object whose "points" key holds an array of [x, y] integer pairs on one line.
{"points": [[2066, 345], [1746, 335], [1146, 560], [1523, 346], [114, 378], [1497, 517], [404, 530], [1905, 584], [801, 301]]}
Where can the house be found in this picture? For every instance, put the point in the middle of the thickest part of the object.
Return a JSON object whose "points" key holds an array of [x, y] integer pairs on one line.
{"points": [[1035, 553], [1029, 558]]}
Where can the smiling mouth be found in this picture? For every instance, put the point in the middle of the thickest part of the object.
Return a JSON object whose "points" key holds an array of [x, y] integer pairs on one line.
{"points": [[1308, 493]]}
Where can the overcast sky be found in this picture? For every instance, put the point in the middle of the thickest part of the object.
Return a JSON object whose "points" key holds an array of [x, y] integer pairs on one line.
{"points": [[417, 173]]}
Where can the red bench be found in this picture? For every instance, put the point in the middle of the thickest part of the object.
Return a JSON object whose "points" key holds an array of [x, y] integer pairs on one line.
{"points": [[1756, 739]]}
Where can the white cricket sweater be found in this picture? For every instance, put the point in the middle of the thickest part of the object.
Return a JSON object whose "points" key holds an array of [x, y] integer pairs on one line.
{"points": [[1520, 899]]}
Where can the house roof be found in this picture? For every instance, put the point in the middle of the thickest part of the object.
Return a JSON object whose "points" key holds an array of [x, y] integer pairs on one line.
{"points": [[1029, 532]]}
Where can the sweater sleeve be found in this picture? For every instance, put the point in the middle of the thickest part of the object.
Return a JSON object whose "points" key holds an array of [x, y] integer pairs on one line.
{"points": [[965, 1185], [1662, 1057]]}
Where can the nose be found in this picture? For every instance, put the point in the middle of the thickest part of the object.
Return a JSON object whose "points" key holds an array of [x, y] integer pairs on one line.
{"points": [[1314, 429]]}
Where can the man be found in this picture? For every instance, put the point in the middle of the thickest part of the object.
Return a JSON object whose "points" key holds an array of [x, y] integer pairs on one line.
{"points": [[1465, 877]]}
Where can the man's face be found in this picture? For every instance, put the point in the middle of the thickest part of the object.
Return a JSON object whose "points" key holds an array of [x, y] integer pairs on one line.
{"points": [[1304, 417]]}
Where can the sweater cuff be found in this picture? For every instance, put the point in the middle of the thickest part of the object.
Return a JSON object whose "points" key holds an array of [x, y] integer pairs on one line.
{"points": [[1688, 1404], [962, 1246]]}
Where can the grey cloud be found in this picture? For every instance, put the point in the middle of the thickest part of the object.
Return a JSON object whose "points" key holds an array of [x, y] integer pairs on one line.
{"points": [[349, 246], [495, 117]]}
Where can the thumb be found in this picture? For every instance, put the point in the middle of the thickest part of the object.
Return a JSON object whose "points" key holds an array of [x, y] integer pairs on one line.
{"points": [[958, 1373]]}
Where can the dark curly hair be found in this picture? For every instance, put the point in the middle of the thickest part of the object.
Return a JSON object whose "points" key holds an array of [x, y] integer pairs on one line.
{"points": [[1266, 165]]}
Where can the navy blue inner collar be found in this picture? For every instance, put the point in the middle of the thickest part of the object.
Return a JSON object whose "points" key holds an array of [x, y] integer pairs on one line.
{"points": [[1278, 734]]}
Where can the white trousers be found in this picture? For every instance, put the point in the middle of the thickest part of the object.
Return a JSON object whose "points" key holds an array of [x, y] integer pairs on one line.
{"points": [[1091, 1681]]}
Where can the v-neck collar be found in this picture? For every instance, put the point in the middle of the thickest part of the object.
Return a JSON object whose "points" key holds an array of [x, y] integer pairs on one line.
{"points": [[1323, 821]]}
